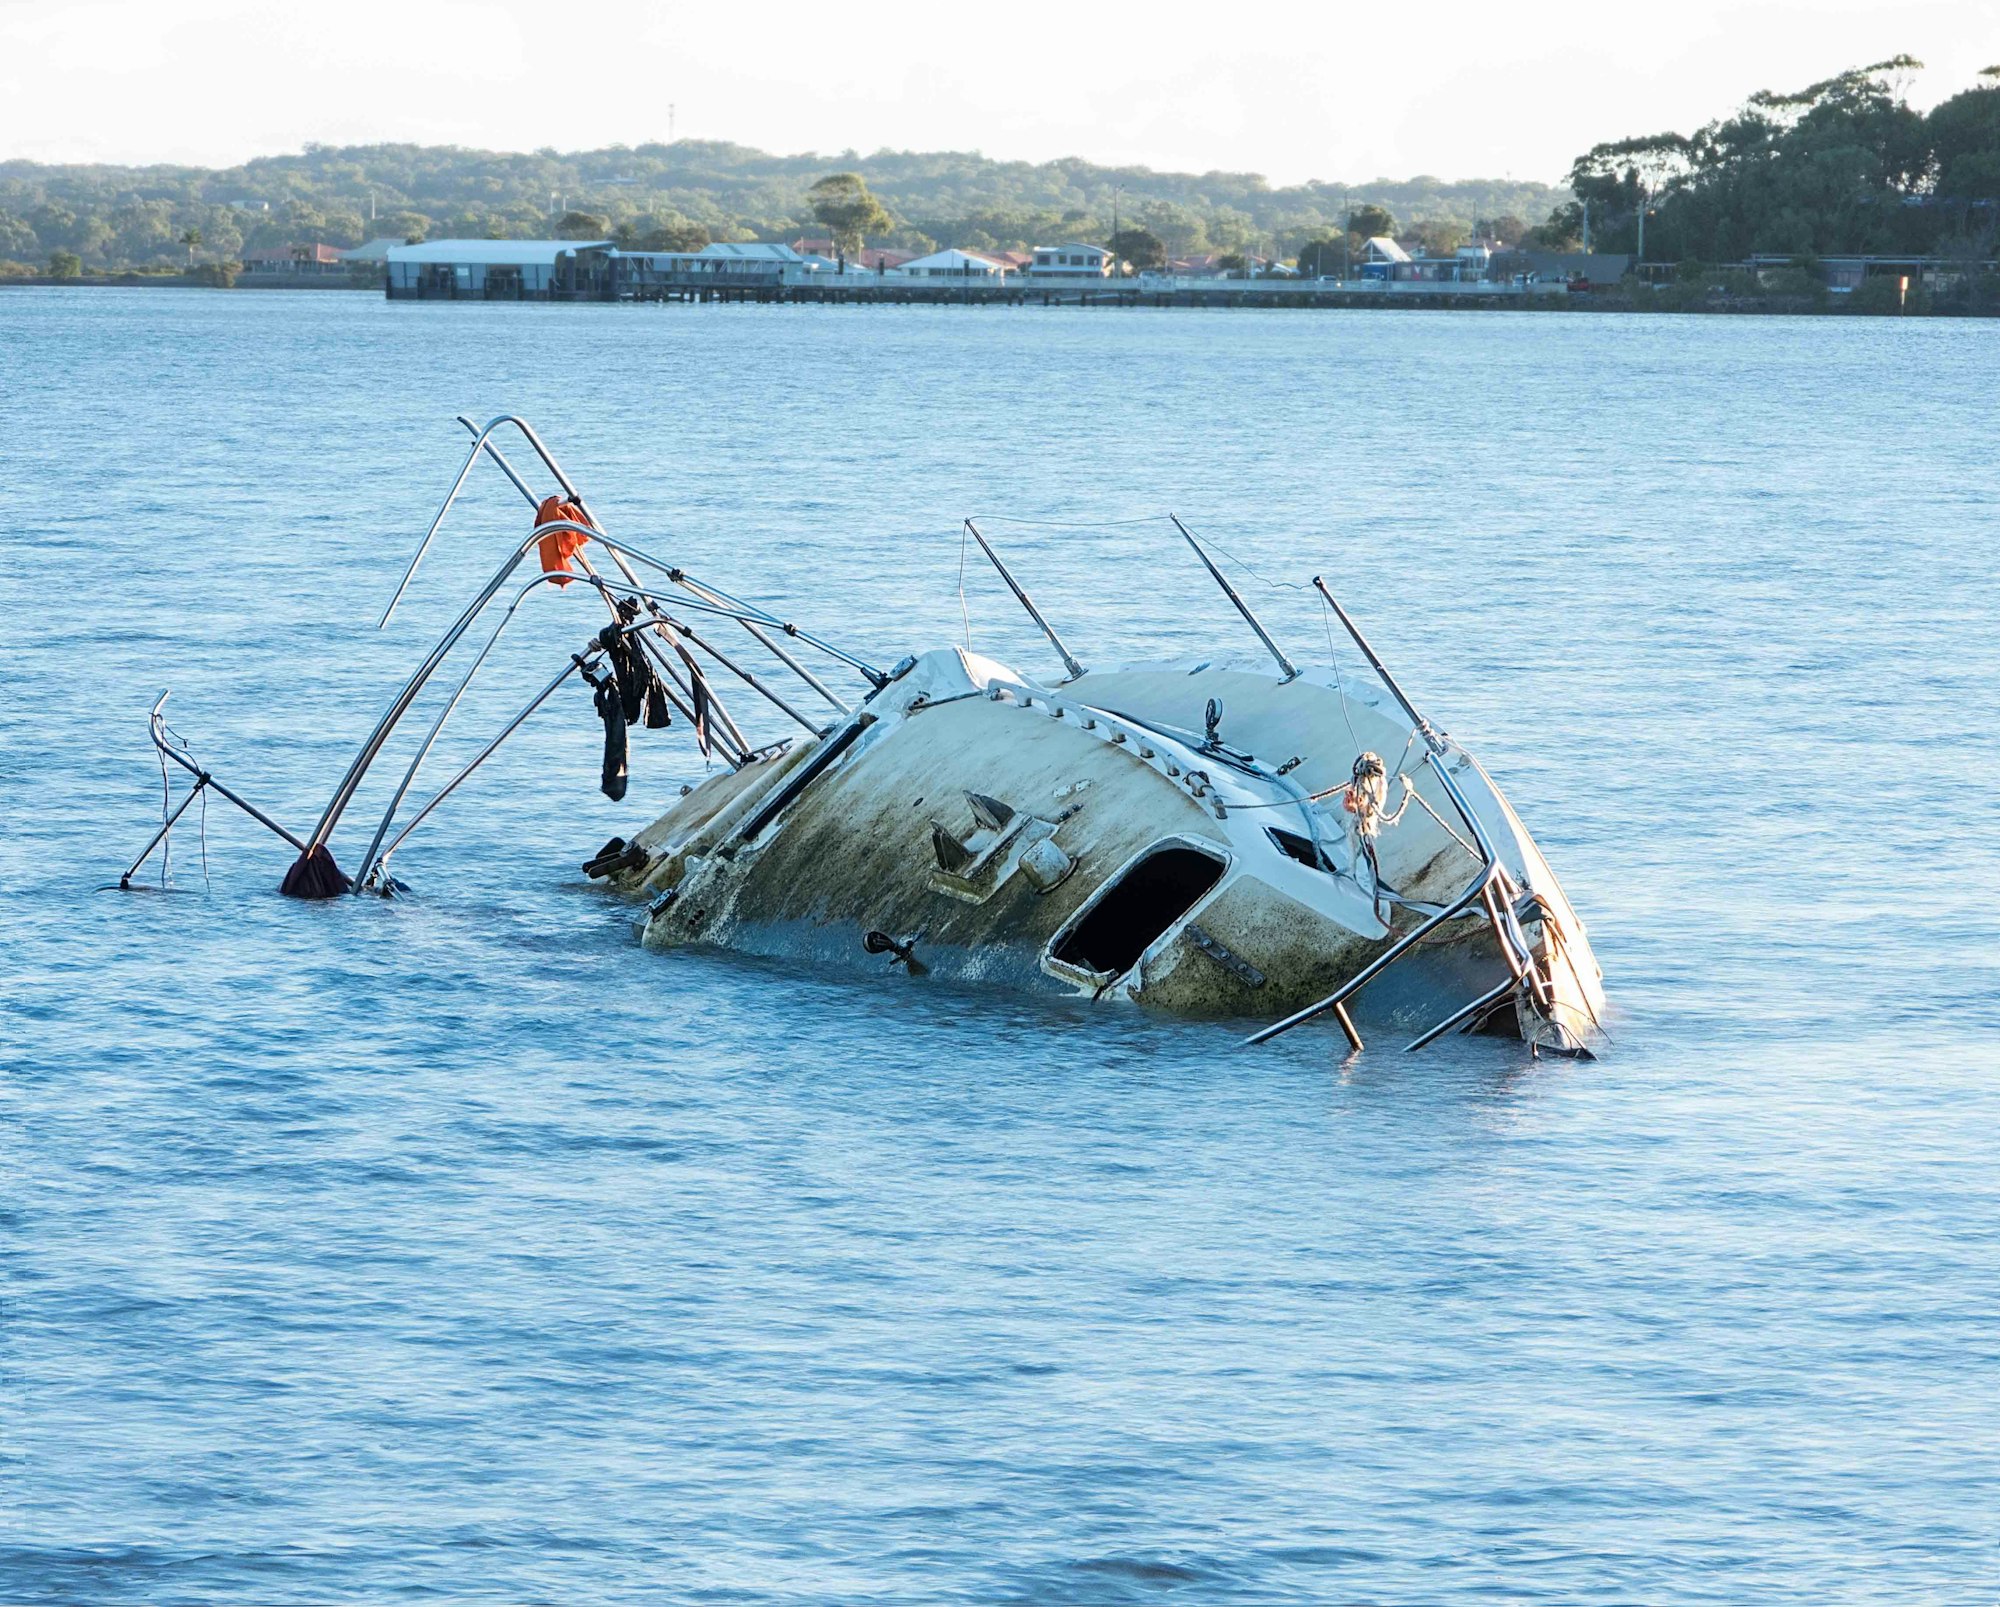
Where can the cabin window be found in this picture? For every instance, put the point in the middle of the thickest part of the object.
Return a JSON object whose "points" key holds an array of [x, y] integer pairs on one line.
{"points": [[1303, 849], [1135, 911]]}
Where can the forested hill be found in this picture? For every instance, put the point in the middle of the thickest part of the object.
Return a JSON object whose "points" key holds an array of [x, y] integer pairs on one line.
{"points": [[141, 216]]}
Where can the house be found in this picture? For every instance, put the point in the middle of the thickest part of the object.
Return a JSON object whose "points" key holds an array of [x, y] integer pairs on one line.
{"points": [[1561, 267], [295, 261], [1845, 274], [1072, 261], [1466, 265], [498, 270], [1381, 258], [956, 264], [1200, 265], [874, 258]]}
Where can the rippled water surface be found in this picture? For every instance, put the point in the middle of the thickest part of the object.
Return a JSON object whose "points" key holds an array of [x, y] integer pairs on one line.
{"points": [[454, 1248]]}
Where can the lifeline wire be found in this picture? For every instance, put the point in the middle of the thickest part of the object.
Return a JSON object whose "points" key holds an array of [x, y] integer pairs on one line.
{"points": [[1072, 524], [167, 797], [964, 534]]}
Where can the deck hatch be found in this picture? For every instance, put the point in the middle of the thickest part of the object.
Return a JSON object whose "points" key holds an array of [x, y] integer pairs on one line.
{"points": [[1131, 914]]}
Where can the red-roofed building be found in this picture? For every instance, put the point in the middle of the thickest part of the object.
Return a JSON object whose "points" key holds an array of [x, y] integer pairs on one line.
{"points": [[869, 257], [296, 261]]}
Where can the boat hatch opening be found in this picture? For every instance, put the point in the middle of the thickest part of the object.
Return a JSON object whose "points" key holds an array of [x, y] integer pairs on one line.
{"points": [[1132, 914], [1303, 849]]}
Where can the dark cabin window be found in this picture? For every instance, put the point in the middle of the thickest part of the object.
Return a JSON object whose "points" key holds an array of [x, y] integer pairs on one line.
{"points": [[1300, 848], [1135, 910]]}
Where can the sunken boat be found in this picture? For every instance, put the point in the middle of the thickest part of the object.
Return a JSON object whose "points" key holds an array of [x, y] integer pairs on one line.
{"points": [[1199, 839]]}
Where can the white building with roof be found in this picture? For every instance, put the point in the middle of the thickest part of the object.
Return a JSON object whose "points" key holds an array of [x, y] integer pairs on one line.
{"points": [[495, 270], [750, 251], [1072, 261], [955, 264]]}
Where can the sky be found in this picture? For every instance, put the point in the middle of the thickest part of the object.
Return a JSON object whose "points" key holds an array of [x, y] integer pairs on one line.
{"points": [[1332, 90]]}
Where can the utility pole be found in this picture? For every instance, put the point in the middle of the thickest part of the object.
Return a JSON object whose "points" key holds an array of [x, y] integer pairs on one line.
{"points": [[1641, 263], [1117, 192], [1586, 228]]}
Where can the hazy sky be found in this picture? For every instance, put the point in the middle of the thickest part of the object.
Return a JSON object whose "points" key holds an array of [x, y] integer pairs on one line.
{"points": [[1294, 91]]}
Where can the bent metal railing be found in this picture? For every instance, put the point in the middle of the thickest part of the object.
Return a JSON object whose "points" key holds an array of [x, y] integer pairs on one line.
{"points": [[371, 748], [1522, 969], [658, 626]]}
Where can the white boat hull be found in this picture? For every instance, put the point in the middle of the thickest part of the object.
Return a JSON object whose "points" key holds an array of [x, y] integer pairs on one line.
{"points": [[1090, 838]]}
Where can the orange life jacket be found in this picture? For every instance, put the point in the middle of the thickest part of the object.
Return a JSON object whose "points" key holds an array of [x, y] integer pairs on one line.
{"points": [[559, 546]]}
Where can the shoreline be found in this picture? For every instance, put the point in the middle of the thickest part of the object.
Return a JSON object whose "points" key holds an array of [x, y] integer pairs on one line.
{"points": [[1675, 299]]}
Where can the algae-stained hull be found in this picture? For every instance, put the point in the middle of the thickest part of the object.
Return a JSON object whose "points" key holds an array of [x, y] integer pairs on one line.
{"points": [[1099, 837], [1202, 840]]}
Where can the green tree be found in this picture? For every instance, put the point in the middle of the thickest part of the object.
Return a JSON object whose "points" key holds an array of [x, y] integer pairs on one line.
{"points": [[65, 265], [1369, 220], [191, 238], [661, 232], [1323, 258], [842, 202], [412, 228], [1140, 247], [16, 238], [582, 226], [1182, 229], [1562, 230], [1439, 237]]}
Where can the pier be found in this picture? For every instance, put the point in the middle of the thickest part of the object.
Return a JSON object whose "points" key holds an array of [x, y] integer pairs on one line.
{"points": [[863, 289]]}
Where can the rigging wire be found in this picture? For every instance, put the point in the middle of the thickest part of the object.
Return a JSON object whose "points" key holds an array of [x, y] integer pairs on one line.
{"points": [[166, 801], [965, 618]]}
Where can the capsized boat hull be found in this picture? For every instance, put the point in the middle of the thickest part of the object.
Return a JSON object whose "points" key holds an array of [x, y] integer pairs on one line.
{"points": [[1094, 838]]}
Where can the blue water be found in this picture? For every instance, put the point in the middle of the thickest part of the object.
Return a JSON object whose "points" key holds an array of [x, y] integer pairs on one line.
{"points": [[454, 1248]]}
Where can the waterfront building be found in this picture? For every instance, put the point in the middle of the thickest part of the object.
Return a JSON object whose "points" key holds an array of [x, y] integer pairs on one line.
{"points": [[1380, 257], [1072, 261], [295, 262], [498, 270], [876, 259], [956, 264]]}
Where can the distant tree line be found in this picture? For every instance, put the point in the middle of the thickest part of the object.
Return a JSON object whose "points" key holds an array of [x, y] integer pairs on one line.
{"points": [[680, 196], [1843, 166]]}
